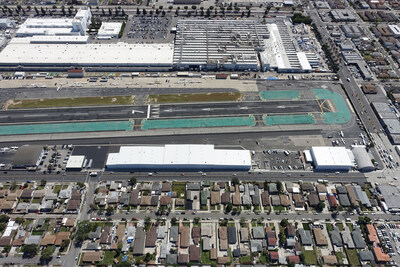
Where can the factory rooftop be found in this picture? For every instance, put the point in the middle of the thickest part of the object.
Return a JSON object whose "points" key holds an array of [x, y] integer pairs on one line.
{"points": [[82, 55]]}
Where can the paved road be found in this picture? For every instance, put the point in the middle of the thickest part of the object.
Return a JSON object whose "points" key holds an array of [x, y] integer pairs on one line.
{"points": [[214, 176], [157, 111]]}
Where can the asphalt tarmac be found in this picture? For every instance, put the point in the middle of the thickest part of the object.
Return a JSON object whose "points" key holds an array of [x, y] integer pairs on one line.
{"points": [[156, 111]]}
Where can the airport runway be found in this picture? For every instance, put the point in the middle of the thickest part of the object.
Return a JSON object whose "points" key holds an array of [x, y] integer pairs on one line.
{"points": [[156, 111]]}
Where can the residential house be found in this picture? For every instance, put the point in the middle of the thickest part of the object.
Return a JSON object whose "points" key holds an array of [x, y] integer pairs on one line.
{"points": [[184, 232], [151, 237], [194, 253], [320, 239], [305, 237], [92, 257], [223, 238]]}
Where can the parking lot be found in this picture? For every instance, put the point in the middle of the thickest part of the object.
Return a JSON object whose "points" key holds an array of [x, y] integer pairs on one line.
{"points": [[389, 234], [278, 159], [150, 29]]}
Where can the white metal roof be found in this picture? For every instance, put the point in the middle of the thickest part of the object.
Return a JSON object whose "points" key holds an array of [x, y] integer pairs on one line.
{"points": [[330, 156], [75, 162], [120, 53], [109, 29], [179, 154]]}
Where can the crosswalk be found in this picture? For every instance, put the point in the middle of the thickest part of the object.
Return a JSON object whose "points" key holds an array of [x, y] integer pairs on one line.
{"points": [[155, 111]]}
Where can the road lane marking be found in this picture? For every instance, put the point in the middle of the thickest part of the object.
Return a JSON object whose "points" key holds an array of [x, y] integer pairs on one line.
{"points": [[148, 111]]}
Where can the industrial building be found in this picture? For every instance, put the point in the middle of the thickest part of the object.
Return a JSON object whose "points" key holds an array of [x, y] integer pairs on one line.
{"points": [[75, 163], [109, 30], [391, 197], [280, 53], [218, 44], [236, 45], [156, 57], [395, 30], [342, 15], [28, 157], [362, 159], [190, 158], [331, 158], [389, 120], [199, 45], [57, 26]]}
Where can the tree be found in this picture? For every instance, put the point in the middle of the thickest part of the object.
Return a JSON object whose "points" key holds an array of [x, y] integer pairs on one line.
{"points": [[132, 181], [284, 223], [80, 184], [147, 222], [110, 12], [43, 11], [47, 253], [174, 220], [137, 11], [282, 238], [109, 209], [30, 251], [19, 220], [228, 207], [320, 207], [123, 13], [163, 13], [196, 220], [123, 264], [93, 207], [249, 13], [144, 12], [6, 249], [177, 12], [235, 180], [364, 220], [279, 186], [186, 8], [4, 218], [64, 244], [170, 8]]}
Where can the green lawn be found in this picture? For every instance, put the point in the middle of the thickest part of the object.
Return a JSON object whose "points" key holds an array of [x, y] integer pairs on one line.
{"points": [[205, 258], [206, 97], [70, 102], [306, 226], [329, 227], [246, 259], [57, 189], [309, 257], [340, 226], [350, 225], [340, 257], [352, 257], [36, 201], [179, 188], [108, 258], [37, 232]]}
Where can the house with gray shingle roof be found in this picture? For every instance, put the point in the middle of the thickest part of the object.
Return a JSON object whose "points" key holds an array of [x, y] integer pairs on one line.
{"points": [[258, 232]]}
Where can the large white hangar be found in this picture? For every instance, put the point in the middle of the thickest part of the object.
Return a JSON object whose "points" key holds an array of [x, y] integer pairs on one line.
{"points": [[25, 52], [332, 158], [192, 158]]}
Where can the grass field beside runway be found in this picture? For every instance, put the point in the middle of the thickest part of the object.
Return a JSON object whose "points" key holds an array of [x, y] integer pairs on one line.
{"points": [[198, 122], [288, 119], [70, 102], [44, 128], [206, 97], [280, 95]]}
